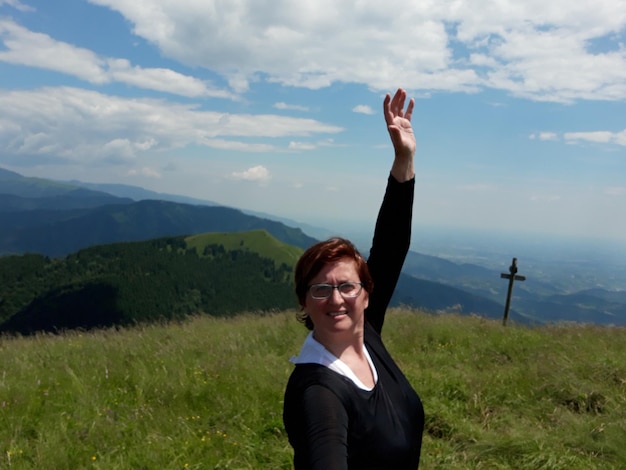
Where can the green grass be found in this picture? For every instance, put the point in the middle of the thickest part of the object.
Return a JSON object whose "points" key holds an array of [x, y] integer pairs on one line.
{"points": [[207, 394], [256, 241]]}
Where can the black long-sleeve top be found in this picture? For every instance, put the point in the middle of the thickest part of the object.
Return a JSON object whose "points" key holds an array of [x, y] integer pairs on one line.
{"points": [[332, 423]]}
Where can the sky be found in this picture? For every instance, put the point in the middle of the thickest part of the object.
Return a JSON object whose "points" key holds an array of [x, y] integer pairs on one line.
{"points": [[276, 105]]}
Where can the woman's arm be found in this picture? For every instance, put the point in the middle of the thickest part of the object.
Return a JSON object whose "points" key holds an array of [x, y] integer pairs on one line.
{"points": [[393, 226], [317, 425]]}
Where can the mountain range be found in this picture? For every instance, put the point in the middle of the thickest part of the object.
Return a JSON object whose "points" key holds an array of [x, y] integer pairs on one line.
{"points": [[57, 219]]}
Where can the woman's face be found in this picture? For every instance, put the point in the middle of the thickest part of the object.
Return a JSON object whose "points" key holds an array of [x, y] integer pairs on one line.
{"points": [[337, 315]]}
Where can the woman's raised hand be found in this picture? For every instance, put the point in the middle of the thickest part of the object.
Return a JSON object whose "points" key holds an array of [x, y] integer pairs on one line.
{"points": [[399, 126]]}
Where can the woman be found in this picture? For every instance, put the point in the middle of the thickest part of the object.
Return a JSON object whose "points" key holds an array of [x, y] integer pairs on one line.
{"points": [[347, 404]]}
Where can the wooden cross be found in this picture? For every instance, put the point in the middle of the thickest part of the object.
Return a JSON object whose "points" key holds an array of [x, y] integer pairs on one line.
{"points": [[512, 276]]}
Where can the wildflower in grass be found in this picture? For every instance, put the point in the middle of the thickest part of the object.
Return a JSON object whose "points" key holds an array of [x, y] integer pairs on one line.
{"points": [[13, 453]]}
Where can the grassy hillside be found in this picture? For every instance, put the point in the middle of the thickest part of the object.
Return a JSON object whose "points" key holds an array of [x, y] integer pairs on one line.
{"points": [[256, 241], [206, 394]]}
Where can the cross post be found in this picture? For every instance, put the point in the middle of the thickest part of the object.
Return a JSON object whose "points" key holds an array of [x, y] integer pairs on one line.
{"points": [[512, 276]]}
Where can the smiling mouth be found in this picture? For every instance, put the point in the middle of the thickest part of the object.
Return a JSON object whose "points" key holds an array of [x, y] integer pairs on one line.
{"points": [[336, 314]]}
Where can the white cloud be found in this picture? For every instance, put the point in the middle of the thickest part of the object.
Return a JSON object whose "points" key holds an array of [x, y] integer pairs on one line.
{"points": [[223, 144], [256, 173], [71, 123], [25, 47], [363, 109], [301, 146], [160, 79], [616, 191], [32, 49], [145, 171], [291, 107], [599, 137], [117, 150], [17, 5], [483, 60], [294, 145], [548, 136], [602, 137], [329, 143], [545, 51]]}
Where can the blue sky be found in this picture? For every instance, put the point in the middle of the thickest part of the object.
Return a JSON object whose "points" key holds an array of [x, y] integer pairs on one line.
{"points": [[275, 106]]}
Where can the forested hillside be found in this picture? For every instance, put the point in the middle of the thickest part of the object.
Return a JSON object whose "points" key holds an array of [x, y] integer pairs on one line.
{"points": [[127, 283]]}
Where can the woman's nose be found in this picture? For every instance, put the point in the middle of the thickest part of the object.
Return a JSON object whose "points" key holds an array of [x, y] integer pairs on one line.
{"points": [[336, 297]]}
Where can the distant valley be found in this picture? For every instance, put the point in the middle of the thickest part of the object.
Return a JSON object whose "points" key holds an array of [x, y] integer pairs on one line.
{"points": [[59, 219]]}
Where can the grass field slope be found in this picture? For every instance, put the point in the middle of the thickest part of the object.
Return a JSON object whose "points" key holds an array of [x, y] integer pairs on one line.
{"points": [[256, 241], [206, 393]]}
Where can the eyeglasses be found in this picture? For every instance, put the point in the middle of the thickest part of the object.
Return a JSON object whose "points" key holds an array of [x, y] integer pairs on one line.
{"points": [[346, 289]]}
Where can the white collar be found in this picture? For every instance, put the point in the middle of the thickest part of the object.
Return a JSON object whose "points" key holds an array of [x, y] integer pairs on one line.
{"points": [[313, 352]]}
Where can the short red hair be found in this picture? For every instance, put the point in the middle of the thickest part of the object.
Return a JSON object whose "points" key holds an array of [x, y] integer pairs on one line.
{"points": [[317, 257]]}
